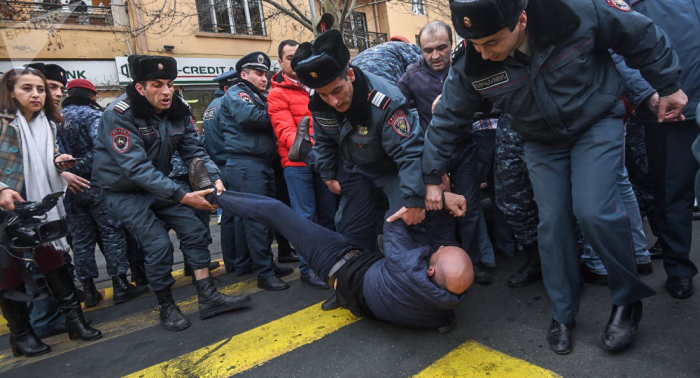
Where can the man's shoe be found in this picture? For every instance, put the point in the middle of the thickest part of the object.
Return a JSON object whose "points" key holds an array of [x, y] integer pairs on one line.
{"points": [[560, 336], [645, 269], [483, 274], [91, 296], [622, 326], [281, 271], [272, 283], [171, 318], [214, 265], [290, 257], [312, 280], [212, 302], [331, 303], [447, 327], [124, 290], [528, 274], [302, 142], [679, 287], [658, 250], [588, 276], [138, 273], [199, 175]]}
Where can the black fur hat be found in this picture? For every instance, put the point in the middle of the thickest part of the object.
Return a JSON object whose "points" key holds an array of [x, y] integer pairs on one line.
{"points": [[51, 71], [476, 19], [322, 61], [151, 67]]}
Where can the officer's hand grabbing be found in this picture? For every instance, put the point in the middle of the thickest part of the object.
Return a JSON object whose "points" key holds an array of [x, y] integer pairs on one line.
{"points": [[671, 107], [456, 204], [433, 197], [410, 215], [8, 197], [197, 200], [334, 186], [219, 187], [75, 182]]}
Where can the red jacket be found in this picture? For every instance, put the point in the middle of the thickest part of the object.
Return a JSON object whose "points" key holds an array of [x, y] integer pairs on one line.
{"points": [[287, 104]]}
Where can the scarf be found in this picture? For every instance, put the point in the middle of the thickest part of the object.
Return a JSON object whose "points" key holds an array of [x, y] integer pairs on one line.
{"points": [[40, 175]]}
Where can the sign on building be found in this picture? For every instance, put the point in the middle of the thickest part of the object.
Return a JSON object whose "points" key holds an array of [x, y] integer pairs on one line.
{"points": [[189, 70], [102, 73]]}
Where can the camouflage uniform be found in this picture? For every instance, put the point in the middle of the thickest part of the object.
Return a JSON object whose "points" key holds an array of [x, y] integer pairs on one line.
{"points": [[388, 60], [638, 169]]}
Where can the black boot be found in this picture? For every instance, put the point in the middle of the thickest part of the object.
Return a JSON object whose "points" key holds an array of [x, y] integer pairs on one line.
{"points": [[138, 273], [61, 285], [622, 326], [91, 296], [529, 273], [171, 318], [331, 303], [23, 340], [212, 303], [560, 336], [124, 290]]}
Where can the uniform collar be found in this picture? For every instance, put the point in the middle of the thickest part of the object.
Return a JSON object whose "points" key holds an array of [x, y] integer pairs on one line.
{"points": [[81, 101]]}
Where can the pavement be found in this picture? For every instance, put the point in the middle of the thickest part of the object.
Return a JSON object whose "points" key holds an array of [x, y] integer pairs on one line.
{"points": [[500, 333]]}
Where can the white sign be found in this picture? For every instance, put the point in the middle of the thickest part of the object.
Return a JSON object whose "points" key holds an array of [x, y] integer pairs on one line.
{"points": [[102, 73], [189, 70]]}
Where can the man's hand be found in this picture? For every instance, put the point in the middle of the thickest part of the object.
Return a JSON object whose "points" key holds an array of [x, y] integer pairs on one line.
{"points": [[334, 186], [446, 185], [410, 215], [75, 182], [219, 187], [671, 107], [435, 103], [456, 204], [61, 158], [197, 200], [653, 103], [433, 197], [7, 199]]}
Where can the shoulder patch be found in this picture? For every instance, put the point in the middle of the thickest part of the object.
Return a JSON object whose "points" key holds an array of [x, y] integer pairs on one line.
{"points": [[399, 122], [245, 97], [122, 106], [459, 50], [619, 4], [378, 99], [209, 114], [121, 140]]}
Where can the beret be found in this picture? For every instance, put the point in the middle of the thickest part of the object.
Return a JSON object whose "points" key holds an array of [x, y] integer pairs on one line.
{"points": [[81, 83]]}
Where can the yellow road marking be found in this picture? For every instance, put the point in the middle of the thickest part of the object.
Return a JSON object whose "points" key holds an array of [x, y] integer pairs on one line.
{"points": [[123, 326], [255, 347], [472, 359]]}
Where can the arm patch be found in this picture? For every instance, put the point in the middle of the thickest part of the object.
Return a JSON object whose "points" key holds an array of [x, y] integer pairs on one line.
{"points": [[121, 107], [378, 99], [399, 122]]}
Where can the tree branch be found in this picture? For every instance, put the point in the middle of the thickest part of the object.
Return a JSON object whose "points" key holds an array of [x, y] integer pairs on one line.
{"points": [[289, 13]]}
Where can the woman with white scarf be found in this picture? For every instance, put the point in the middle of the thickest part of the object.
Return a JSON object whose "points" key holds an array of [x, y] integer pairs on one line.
{"points": [[30, 167]]}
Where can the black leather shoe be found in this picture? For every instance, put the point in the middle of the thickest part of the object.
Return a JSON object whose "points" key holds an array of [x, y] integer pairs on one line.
{"points": [[281, 271], [331, 303], [483, 274], [124, 290], [560, 337], [290, 257], [679, 287], [212, 302], [91, 296], [312, 280], [171, 318], [214, 265], [302, 142], [272, 283], [199, 175], [645, 269], [528, 274], [622, 326], [658, 250], [447, 327], [590, 277]]}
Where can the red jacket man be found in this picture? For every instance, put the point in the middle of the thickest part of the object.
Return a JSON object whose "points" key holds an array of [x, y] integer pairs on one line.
{"points": [[287, 103]]}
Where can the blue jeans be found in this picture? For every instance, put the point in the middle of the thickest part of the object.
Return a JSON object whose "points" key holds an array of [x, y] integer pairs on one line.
{"points": [[310, 197]]}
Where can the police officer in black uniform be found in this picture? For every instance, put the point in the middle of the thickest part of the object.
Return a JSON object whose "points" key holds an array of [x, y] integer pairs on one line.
{"points": [[137, 136]]}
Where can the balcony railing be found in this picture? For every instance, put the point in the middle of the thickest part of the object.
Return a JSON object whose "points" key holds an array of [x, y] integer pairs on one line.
{"points": [[362, 40], [57, 12]]}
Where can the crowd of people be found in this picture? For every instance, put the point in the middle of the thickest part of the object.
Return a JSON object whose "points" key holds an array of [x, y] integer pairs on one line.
{"points": [[569, 121]]}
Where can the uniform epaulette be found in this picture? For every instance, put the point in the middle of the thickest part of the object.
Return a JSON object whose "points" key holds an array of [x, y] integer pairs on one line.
{"points": [[121, 106], [459, 50], [378, 99]]}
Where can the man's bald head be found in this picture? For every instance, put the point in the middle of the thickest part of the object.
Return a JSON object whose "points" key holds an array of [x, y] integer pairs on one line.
{"points": [[451, 269]]}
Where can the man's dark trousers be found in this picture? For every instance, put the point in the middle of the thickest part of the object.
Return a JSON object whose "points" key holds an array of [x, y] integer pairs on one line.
{"points": [[228, 230], [672, 168]]}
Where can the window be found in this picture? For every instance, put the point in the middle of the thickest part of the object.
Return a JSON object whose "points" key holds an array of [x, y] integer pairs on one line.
{"points": [[418, 6], [356, 36], [231, 16]]}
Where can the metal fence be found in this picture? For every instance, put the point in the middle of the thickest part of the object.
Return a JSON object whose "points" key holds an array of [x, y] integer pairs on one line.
{"points": [[362, 40], [56, 12]]}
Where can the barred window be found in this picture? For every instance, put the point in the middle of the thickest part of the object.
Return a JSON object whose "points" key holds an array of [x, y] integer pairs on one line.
{"points": [[418, 6], [231, 16]]}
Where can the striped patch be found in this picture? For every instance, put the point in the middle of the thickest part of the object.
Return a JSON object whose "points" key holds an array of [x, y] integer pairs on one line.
{"points": [[121, 106], [378, 99]]}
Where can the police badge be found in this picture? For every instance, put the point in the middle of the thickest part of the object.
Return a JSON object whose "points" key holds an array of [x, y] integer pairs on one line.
{"points": [[619, 4], [362, 130], [399, 122]]}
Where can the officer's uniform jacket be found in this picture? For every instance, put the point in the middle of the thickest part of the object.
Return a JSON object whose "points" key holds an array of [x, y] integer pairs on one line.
{"points": [[81, 118], [569, 83], [134, 146], [213, 136], [246, 124], [378, 134]]}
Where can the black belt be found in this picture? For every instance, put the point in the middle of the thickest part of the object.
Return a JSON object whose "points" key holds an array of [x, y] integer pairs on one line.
{"points": [[339, 264]]}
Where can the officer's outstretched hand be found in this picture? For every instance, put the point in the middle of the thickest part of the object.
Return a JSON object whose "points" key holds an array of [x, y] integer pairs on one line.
{"points": [[410, 215], [456, 204], [671, 107], [8, 197], [219, 187], [197, 200], [433, 197], [333, 186]]}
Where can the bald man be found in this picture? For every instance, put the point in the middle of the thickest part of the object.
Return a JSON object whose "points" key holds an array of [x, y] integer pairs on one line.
{"points": [[414, 285]]}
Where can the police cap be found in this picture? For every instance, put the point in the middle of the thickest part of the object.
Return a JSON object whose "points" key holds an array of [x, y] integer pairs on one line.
{"points": [[257, 60], [319, 63], [476, 19], [51, 71], [152, 67], [226, 76]]}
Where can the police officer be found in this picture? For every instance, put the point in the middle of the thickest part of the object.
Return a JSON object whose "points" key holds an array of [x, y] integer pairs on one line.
{"points": [[250, 146], [546, 64], [137, 137]]}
